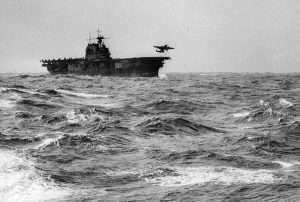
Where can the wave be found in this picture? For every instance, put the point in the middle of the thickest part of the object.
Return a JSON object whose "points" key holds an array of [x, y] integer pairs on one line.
{"points": [[84, 95], [186, 176], [50, 92], [13, 140], [16, 89], [275, 108], [19, 181], [23, 76], [183, 131], [173, 126], [85, 117], [60, 140], [284, 141], [39, 141], [195, 156], [38, 103], [5, 90], [24, 115], [88, 118], [11, 88], [70, 145], [287, 164], [175, 106], [110, 141]]}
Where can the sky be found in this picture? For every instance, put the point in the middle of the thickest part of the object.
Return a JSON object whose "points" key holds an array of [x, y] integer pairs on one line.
{"points": [[209, 35]]}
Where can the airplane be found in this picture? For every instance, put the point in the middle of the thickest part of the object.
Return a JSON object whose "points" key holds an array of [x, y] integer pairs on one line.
{"points": [[162, 49]]}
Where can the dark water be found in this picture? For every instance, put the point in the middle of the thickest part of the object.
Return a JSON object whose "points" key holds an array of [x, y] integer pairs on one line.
{"points": [[202, 137]]}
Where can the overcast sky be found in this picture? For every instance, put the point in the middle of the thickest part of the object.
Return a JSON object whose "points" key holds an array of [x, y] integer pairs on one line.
{"points": [[209, 35]]}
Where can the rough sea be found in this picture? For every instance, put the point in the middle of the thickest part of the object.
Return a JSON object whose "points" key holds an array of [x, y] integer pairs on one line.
{"points": [[181, 137]]}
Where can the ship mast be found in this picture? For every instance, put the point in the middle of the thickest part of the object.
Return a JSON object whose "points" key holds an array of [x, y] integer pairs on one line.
{"points": [[98, 32], [90, 38]]}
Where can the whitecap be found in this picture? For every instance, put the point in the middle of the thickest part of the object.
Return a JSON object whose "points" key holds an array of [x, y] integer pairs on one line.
{"points": [[2, 89], [20, 182], [73, 117], [6, 103], [48, 141], [261, 102], [10, 100], [218, 175], [285, 103], [241, 114], [85, 95], [285, 164]]}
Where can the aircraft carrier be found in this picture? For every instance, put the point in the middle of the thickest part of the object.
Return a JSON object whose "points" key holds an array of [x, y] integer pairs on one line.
{"points": [[98, 61]]}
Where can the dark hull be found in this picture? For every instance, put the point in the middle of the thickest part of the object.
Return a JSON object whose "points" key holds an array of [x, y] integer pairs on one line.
{"points": [[140, 67]]}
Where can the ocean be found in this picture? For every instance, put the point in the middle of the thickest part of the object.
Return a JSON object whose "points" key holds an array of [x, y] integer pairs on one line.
{"points": [[182, 137]]}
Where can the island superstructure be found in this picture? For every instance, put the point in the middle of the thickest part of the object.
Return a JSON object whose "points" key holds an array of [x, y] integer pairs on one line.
{"points": [[98, 61]]}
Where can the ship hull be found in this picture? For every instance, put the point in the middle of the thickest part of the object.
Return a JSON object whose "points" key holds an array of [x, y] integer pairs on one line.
{"points": [[129, 67]]}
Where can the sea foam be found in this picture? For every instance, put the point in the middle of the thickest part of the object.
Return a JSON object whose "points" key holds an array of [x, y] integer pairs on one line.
{"points": [[218, 175], [20, 182]]}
